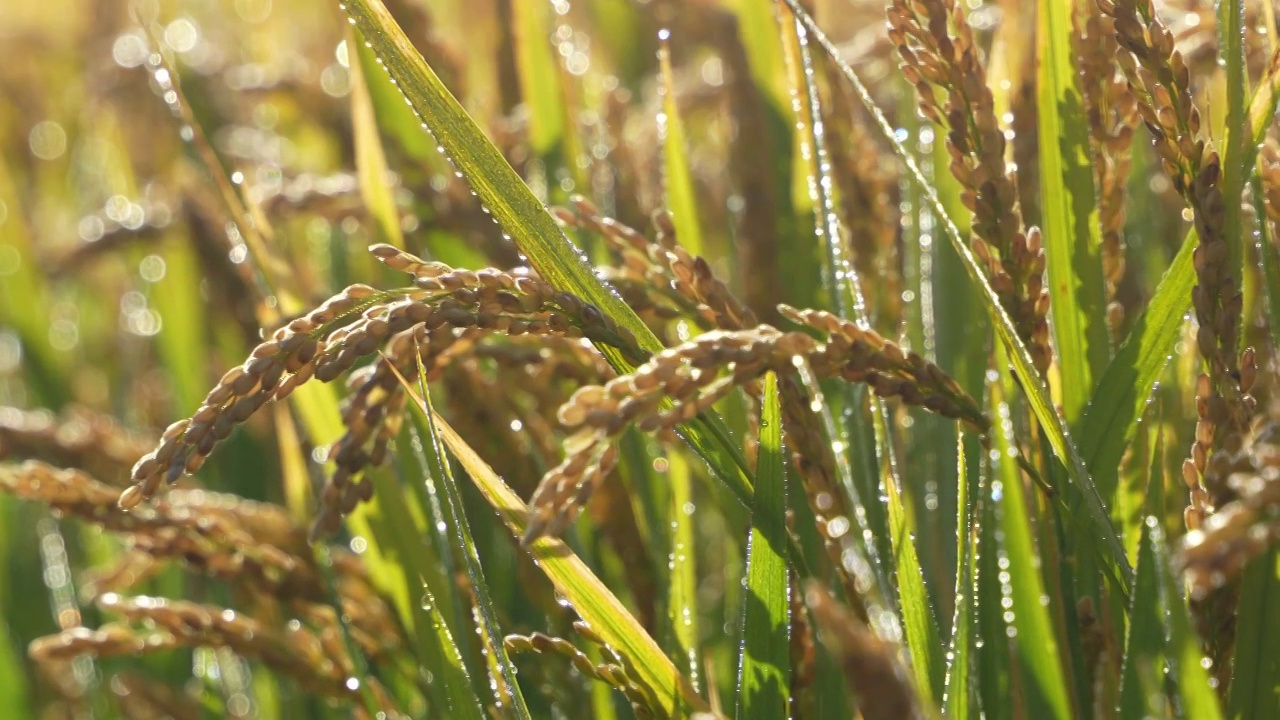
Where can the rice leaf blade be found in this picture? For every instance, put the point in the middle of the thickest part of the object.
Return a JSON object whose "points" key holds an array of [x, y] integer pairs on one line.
{"points": [[1141, 676], [466, 547], [682, 204], [1255, 680], [764, 674], [371, 161], [13, 690], [1231, 52], [677, 179], [1183, 652], [917, 613], [399, 563], [539, 88], [843, 296], [499, 188], [1035, 645], [1269, 259], [682, 583], [177, 299], [1072, 235], [958, 696]]}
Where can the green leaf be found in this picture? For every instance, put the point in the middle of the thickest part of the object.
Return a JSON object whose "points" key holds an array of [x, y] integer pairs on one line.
{"points": [[1142, 676], [1255, 681], [177, 299], [1269, 259], [1072, 235], [580, 588], [682, 584], [677, 180], [14, 692], [1198, 698], [764, 669], [1032, 383], [1035, 645], [539, 86], [371, 161], [995, 676], [465, 546], [917, 614], [497, 185], [681, 202], [1110, 420], [958, 696]]}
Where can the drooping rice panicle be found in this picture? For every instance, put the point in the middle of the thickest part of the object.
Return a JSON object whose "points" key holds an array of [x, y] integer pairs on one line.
{"points": [[445, 304], [697, 374]]}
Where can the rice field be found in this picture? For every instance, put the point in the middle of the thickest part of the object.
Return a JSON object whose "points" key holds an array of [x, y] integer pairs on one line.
{"points": [[613, 359]]}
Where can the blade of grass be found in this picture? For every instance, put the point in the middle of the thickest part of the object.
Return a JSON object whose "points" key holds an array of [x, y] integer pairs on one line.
{"points": [[371, 161], [1141, 677], [682, 598], [13, 688], [498, 186], [917, 615], [177, 299], [394, 117], [1255, 680], [538, 74], [958, 697], [764, 669], [1267, 258], [995, 677], [1033, 385], [593, 602], [1256, 666], [682, 584], [1072, 235], [1035, 646], [400, 561], [677, 180], [465, 546], [1197, 697], [1108, 423]]}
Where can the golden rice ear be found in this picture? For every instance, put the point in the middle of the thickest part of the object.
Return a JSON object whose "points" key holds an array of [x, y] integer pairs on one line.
{"points": [[354, 324], [1112, 113], [679, 383], [939, 56]]}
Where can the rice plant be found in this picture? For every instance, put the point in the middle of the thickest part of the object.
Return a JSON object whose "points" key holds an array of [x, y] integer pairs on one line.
{"points": [[613, 359]]}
